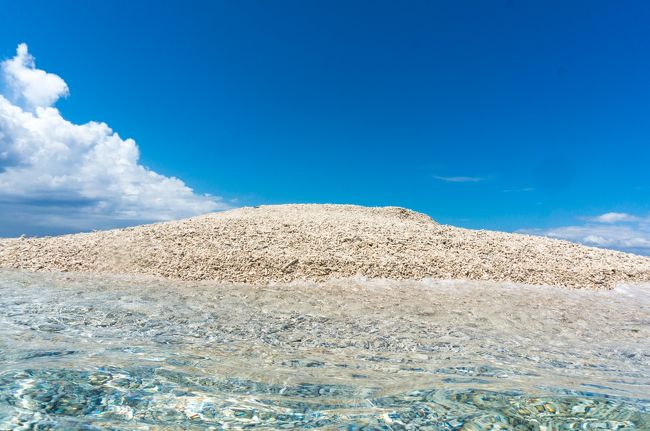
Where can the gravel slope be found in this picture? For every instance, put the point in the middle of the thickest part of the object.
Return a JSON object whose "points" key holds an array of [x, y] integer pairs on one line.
{"points": [[317, 242]]}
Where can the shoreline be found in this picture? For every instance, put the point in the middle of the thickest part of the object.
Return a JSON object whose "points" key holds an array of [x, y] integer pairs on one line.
{"points": [[422, 283]]}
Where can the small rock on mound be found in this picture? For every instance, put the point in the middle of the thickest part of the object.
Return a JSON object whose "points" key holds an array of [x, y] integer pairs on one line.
{"points": [[316, 242]]}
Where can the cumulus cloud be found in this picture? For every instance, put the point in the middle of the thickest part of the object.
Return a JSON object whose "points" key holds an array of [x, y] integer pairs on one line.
{"points": [[74, 176], [29, 87], [459, 179], [613, 230]]}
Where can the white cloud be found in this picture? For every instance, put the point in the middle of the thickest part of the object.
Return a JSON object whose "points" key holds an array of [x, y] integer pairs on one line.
{"points": [[614, 217], [611, 230], [75, 175], [459, 179], [29, 87]]}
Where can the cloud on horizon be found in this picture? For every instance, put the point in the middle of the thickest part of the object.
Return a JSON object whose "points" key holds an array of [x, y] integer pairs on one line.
{"points": [[74, 176], [615, 230], [614, 217]]}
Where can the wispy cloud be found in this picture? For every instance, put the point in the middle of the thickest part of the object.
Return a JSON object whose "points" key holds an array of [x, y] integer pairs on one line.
{"points": [[74, 175], [619, 231], [521, 190], [459, 179]]}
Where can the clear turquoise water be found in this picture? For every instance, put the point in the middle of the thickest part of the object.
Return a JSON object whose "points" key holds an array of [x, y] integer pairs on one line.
{"points": [[79, 352]]}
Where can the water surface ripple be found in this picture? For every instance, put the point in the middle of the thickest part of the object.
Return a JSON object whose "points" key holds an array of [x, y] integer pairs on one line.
{"points": [[111, 352]]}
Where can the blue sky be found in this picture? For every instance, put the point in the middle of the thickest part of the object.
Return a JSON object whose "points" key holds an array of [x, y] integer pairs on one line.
{"points": [[512, 115]]}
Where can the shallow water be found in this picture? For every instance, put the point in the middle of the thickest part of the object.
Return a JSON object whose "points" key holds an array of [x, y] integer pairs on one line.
{"points": [[89, 352]]}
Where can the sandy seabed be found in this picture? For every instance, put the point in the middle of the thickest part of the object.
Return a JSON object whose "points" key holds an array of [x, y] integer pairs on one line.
{"points": [[138, 352], [573, 335]]}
